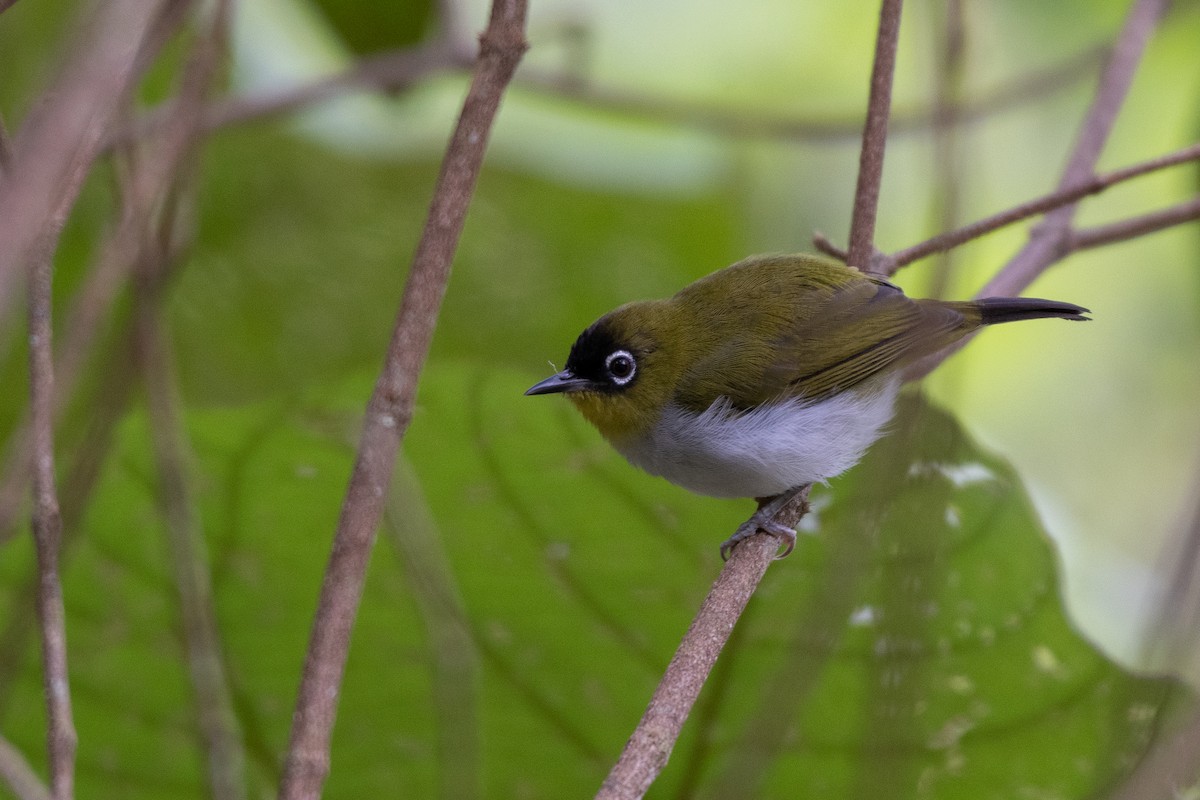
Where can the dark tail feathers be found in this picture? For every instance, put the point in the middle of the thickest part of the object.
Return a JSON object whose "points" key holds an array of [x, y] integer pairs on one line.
{"points": [[1011, 309]]}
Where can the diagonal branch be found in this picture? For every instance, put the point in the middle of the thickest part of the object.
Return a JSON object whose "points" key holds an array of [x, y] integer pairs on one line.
{"points": [[1050, 241], [1057, 199], [56, 145], [18, 776], [1122, 230], [650, 746], [874, 142], [390, 408], [1047, 241]]}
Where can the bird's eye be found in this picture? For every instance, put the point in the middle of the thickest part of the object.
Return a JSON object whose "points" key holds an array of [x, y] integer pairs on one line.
{"points": [[620, 367]]}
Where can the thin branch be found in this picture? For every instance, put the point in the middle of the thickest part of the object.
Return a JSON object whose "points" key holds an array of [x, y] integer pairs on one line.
{"points": [[874, 142], [1086, 238], [218, 722], [151, 209], [1050, 240], [396, 70], [387, 71], [453, 657], [92, 303], [59, 140], [18, 776], [1040, 205], [390, 408], [826, 246], [1047, 241], [47, 530], [949, 75], [650, 746]]}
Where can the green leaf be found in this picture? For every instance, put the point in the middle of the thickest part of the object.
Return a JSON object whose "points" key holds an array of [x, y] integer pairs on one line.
{"points": [[529, 588]]}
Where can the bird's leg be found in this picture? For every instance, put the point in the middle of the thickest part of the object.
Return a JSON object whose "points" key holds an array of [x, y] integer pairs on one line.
{"points": [[764, 519]]}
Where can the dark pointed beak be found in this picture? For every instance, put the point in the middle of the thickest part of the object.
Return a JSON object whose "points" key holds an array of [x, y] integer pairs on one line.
{"points": [[562, 382]]}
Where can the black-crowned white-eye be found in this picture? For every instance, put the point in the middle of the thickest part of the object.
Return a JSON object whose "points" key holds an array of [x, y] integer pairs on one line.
{"points": [[766, 376]]}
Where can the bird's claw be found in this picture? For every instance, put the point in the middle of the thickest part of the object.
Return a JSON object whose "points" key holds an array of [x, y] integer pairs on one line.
{"points": [[752, 526]]}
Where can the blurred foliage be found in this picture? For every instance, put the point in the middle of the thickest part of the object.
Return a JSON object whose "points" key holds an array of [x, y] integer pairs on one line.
{"points": [[916, 644], [371, 27], [530, 589]]}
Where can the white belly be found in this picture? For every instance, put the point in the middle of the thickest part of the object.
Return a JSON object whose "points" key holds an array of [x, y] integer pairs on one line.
{"points": [[765, 451]]}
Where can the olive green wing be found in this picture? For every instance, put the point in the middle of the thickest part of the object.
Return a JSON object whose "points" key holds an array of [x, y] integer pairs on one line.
{"points": [[863, 331], [858, 331]]}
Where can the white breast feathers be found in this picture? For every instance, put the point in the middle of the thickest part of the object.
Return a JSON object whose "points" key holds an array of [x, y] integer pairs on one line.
{"points": [[764, 451]]}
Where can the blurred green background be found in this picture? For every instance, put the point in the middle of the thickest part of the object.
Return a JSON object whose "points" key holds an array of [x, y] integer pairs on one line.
{"points": [[575, 573]]}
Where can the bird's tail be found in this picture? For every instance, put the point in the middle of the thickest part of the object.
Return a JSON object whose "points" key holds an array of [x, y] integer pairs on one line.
{"points": [[994, 310]]}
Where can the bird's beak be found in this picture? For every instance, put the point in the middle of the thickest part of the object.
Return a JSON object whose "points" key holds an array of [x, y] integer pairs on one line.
{"points": [[564, 381]]}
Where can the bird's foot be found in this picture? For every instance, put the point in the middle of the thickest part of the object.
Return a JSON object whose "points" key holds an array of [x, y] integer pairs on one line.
{"points": [[764, 520], [760, 522]]}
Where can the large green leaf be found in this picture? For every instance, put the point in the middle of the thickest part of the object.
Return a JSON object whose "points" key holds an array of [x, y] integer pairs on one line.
{"points": [[530, 587]]}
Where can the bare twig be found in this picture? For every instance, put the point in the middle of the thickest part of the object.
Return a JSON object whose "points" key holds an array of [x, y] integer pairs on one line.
{"points": [[392, 71], [150, 224], [61, 137], [874, 141], [826, 246], [1048, 239], [1057, 199], [396, 70], [951, 35], [454, 659], [1086, 238], [90, 306], [18, 776], [218, 723], [47, 530], [650, 746], [391, 405]]}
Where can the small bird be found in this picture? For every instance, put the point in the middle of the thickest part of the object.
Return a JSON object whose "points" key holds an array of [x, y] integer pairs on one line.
{"points": [[766, 376]]}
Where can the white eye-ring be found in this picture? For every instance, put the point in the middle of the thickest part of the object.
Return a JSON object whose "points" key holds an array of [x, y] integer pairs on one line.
{"points": [[620, 366]]}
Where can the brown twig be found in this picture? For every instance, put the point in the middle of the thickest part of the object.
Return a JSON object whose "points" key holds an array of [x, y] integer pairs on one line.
{"points": [[1123, 230], [948, 80], [650, 746], [61, 137], [826, 246], [92, 303], [390, 71], [453, 657], [47, 528], [218, 722], [152, 206], [1050, 240], [1019, 91], [1040, 205], [18, 776], [390, 408], [396, 70], [1047, 240], [874, 140]]}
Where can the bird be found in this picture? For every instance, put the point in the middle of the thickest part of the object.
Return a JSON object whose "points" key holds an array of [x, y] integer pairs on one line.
{"points": [[764, 377]]}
